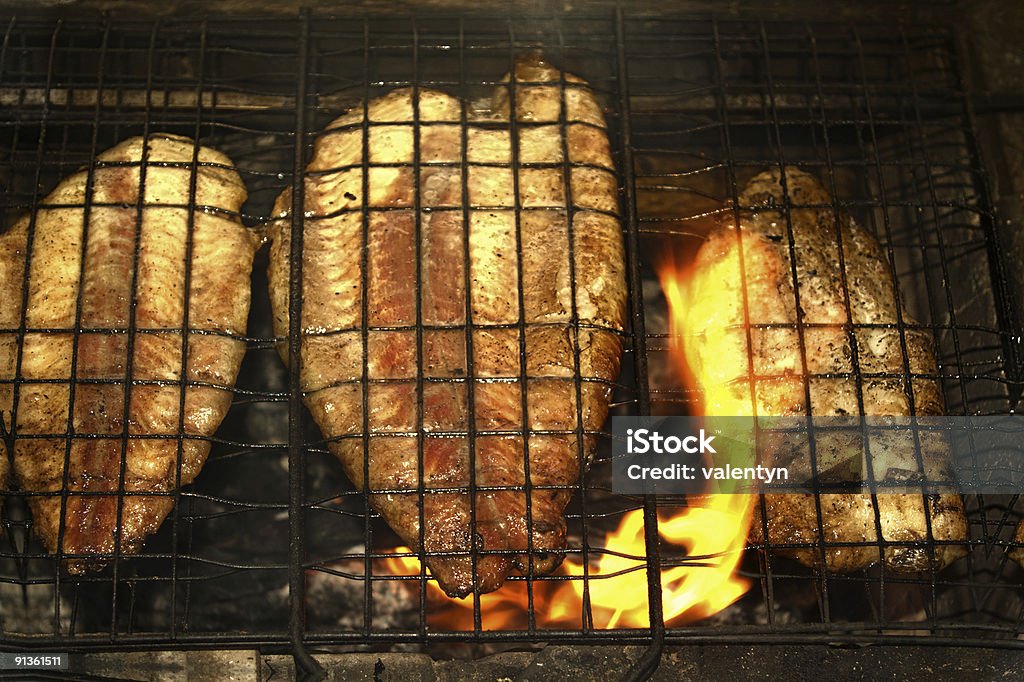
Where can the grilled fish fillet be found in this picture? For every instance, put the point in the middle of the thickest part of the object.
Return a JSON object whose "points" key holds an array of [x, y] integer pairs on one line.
{"points": [[555, 255], [99, 290], [716, 346]]}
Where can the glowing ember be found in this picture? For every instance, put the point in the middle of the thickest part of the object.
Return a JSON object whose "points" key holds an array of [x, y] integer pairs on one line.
{"points": [[712, 532]]}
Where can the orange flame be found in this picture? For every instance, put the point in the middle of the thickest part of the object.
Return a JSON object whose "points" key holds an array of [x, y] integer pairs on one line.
{"points": [[718, 530], [713, 535]]}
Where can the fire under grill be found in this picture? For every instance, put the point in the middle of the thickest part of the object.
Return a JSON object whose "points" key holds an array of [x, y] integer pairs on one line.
{"points": [[272, 547]]}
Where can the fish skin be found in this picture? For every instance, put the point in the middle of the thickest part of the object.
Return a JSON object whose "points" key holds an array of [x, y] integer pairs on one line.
{"points": [[332, 344], [218, 303]]}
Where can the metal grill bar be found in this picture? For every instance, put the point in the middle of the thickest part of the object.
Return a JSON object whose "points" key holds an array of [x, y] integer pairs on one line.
{"points": [[1006, 301], [296, 446], [86, 213], [648, 662], [899, 308], [517, 164], [733, 187], [571, 211], [844, 286], [694, 108], [775, 142], [364, 334], [183, 368]]}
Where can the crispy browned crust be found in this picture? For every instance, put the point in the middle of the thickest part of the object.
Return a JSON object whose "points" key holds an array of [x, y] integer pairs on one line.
{"points": [[846, 518], [218, 304], [332, 373]]}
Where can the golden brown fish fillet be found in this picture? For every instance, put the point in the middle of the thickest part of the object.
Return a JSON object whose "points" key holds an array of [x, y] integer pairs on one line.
{"points": [[716, 346], [332, 320], [100, 290]]}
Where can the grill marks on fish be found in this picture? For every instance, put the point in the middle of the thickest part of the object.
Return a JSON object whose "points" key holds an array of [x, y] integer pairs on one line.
{"points": [[123, 251], [494, 521]]}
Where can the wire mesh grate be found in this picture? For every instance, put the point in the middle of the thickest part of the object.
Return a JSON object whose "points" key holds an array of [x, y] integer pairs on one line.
{"points": [[272, 545]]}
